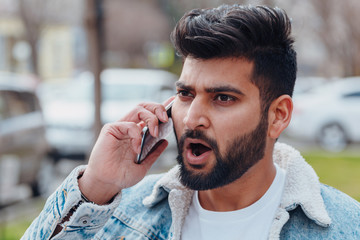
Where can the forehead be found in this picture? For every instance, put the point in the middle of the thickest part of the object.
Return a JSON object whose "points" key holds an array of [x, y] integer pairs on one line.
{"points": [[236, 72]]}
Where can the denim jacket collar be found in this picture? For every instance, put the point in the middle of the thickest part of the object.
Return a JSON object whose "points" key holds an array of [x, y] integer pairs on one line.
{"points": [[302, 188], [179, 198]]}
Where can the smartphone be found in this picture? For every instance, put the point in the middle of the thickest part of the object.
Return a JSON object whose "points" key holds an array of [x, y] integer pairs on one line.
{"points": [[148, 141]]}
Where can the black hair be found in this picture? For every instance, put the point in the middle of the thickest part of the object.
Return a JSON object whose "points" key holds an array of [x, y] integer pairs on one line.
{"points": [[257, 33]]}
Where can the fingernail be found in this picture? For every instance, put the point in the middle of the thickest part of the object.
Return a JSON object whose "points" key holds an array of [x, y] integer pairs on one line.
{"points": [[156, 131], [165, 117]]}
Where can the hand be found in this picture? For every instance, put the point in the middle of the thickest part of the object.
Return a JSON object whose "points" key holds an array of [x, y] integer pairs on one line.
{"points": [[111, 165]]}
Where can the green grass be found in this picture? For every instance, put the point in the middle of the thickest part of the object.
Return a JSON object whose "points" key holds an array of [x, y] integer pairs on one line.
{"points": [[14, 230], [340, 170], [25, 213]]}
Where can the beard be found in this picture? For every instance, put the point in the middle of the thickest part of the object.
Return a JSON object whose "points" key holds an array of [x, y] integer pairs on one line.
{"points": [[240, 155]]}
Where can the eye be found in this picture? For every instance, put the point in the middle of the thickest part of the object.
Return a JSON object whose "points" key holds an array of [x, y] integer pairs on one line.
{"points": [[223, 98], [184, 94]]}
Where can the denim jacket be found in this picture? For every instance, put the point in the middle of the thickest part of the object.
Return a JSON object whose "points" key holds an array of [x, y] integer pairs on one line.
{"points": [[156, 208]]}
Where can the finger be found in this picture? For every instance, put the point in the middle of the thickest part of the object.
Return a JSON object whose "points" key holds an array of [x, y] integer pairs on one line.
{"points": [[141, 124], [151, 121], [166, 103], [157, 109], [136, 145], [135, 134], [145, 113], [125, 130], [151, 113], [122, 130]]}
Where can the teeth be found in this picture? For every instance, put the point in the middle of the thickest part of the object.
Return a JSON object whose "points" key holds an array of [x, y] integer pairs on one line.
{"points": [[196, 152]]}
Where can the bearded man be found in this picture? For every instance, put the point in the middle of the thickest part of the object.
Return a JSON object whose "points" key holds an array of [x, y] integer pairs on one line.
{"points": [[233, 180]]}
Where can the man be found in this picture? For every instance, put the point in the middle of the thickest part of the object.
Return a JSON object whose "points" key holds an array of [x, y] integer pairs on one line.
{"points": [[233, 180]]}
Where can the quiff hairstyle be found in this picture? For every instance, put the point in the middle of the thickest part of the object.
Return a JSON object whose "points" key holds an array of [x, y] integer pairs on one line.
{"points": [[256, 33]]}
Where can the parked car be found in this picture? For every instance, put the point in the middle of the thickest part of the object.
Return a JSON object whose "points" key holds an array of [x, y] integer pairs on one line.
{"points": [[23, 144], [329, 114], [69, 108], [304, 84]]}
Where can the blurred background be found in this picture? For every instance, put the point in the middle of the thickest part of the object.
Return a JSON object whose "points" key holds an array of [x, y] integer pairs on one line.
{"points": [[69, 66]]}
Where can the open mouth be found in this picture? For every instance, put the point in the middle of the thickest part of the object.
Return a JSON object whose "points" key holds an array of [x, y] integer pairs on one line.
{"points": [[198, 149]]}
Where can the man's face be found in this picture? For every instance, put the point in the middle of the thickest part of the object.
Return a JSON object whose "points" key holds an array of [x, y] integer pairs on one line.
{"points": [[220, 130]]}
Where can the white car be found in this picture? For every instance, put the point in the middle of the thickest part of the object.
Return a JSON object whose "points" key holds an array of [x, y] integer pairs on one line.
{"points": [[23, 144], [69, 109], [328, 114]]}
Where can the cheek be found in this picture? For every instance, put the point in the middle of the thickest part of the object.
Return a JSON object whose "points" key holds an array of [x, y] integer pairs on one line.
{"points": [[178, 123], [225, 136], [232, 127]]}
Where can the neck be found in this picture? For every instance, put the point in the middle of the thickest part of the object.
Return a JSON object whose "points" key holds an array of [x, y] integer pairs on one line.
{"points": [[243, 192]]}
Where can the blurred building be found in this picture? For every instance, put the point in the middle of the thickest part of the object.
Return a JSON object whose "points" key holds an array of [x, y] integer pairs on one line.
{"points": [[134, 34], [10, 30], [50, 30], [137, 34]]}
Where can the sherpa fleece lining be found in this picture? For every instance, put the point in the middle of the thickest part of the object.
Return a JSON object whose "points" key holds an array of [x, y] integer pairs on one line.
{"points": [[302, 187]]}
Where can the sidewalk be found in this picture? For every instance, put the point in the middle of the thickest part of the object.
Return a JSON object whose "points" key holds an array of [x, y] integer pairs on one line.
{"points": [[26, 209]]}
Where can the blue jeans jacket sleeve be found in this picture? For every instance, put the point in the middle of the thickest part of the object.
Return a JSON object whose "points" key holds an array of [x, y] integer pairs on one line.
{"points": [[85, 222]]}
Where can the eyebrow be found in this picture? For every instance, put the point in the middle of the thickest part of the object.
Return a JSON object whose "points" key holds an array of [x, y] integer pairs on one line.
{"points": [[183, 86], [225, 88]]}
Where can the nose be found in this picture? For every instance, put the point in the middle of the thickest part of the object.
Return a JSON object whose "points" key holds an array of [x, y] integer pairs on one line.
{"points": [[197, 115]]}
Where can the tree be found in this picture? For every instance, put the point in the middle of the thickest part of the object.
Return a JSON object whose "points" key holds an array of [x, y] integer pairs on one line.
{"points": [[32, 15], [337, 28], [37, 15], [94, 27]]}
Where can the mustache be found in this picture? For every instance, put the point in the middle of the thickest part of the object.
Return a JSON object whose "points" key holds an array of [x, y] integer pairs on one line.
{"points": [[197, 134]]}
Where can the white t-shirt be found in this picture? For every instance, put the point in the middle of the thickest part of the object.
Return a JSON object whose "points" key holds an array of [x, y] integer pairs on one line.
{"points": [[252, 222]]}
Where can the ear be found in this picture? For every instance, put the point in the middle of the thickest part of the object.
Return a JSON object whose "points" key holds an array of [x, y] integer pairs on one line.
{"points": [[279, 115]]}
